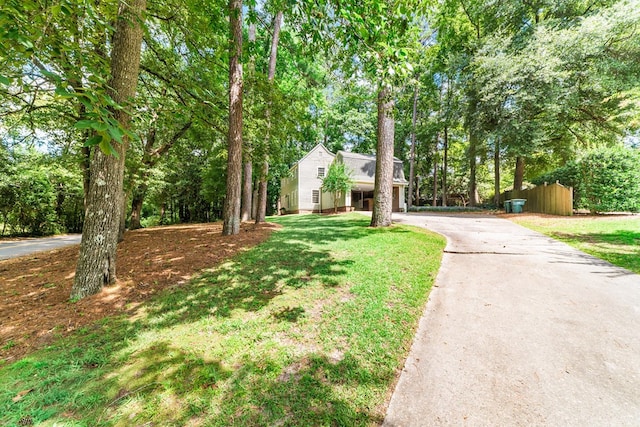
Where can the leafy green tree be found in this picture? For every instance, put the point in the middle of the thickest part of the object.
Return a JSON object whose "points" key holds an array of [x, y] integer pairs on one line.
{"points": [[337, 181], [603, 180], [380, 36], [231, 214], [97, 261]]}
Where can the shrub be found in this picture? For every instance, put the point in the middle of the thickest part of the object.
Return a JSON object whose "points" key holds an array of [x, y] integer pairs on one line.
{"points": [[604, 180]]}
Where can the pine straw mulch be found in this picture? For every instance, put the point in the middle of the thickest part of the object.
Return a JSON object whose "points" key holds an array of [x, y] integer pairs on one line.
{"points": [[34, 289]]}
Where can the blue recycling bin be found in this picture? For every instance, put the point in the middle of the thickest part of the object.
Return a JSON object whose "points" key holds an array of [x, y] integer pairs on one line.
{"points": [[517, 205]]}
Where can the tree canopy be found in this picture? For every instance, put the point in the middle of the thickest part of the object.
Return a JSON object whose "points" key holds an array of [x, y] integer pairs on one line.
{"points": [[503, 92]]}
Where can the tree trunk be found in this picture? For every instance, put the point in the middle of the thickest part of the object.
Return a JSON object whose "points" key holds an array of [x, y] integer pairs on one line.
{"points": [[518, 176], [97, 260], [163, 210], [254, 199], [261, 211], [136, 206], [412, 153], [473, 185], [496, 169], [383, 189], [434, 200], [123, 217], [274, 46], [150, 158], [86, 173], [247, 190], [231, 213], [264, 175], [445, 165], [247, 183]]}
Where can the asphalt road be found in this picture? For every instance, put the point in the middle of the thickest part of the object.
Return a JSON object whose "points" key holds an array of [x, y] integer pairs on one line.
{"points": [[520, 330], [16, 248]]}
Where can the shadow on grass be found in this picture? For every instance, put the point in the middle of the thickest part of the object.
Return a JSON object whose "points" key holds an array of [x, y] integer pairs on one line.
{"points": [[249, 282], [91, 376], [306, 393], [259, 391], [621, 248]]}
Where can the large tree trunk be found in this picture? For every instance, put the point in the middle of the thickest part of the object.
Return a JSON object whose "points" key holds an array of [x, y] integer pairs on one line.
{"points": [[496, 169], [97, 261], [231, 212], [518, 176], [247, 183], [383, 189], [412, 152], [445, 165], [264, 175]]}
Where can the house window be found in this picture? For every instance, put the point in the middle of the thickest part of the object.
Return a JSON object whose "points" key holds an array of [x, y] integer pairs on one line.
{"points": [[320, 172], [315, 196]]}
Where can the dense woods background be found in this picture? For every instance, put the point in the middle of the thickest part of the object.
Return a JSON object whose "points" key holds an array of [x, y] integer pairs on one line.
{"points": [[484, 96]]}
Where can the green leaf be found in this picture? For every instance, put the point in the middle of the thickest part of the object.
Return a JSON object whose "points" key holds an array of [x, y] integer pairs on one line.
{"points": [[86, 103], [107, 148], [5, 81], [99, 126], [116, 133], [26, 43], [51, 75], [364, 34], [84, 124], [94, 140], [63, 93]]}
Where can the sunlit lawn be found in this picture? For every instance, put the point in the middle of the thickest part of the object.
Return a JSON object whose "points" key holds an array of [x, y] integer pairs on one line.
{"points": [[310, 328], [614, 239]]}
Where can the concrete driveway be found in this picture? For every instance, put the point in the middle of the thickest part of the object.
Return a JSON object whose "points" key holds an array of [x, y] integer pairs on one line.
{"points": [[520, 330], [16, 248]]}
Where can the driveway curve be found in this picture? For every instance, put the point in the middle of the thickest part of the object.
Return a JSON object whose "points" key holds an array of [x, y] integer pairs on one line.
{"points": [[17, 248], [520, 330]]}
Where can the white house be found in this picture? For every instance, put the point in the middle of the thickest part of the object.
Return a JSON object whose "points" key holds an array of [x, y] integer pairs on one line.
{"points": [[301, 190]]}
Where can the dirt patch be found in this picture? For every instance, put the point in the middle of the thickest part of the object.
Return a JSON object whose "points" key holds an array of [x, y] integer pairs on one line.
{"points": [[35, 289]]}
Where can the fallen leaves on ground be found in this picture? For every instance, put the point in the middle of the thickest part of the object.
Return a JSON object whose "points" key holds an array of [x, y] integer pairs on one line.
{"points": [[34, 289]]}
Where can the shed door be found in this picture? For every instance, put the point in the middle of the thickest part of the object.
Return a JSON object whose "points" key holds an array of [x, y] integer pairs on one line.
{"points": [[396, 199]]}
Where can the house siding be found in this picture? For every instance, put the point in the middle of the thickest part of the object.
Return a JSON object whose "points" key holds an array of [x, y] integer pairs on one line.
{"points": [[306, 180], [296, 192]]}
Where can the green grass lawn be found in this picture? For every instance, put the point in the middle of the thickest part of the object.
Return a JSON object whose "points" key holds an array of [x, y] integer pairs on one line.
{"points": [[614, 239], [310, 328]]}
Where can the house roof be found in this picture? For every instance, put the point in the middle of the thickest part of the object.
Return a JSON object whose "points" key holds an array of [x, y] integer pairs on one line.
{"points": [[319, 146], [363, 167]]}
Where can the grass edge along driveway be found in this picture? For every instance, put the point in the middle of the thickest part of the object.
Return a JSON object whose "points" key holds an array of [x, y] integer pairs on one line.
{"points": [[308, 328], [612, 238]]}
